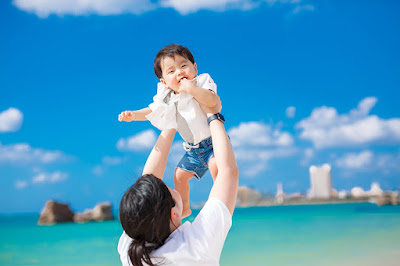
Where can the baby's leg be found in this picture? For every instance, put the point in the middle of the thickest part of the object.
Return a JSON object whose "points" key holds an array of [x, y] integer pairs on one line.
{"points": [[212, 166], [181, 182]]}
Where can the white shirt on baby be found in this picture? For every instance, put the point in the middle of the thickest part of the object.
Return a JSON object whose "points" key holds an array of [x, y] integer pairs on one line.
{"points": [[163, 115], [196, 243]]}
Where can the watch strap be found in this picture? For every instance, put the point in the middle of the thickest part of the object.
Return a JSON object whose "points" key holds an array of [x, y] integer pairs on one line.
{"points": [[218, 116]]}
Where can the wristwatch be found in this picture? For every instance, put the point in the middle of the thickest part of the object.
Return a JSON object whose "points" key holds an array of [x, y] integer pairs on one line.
{"points": [[216, 116]]}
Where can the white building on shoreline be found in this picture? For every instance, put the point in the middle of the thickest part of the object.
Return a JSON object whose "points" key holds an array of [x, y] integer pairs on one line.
{"points": [[320, 179]]}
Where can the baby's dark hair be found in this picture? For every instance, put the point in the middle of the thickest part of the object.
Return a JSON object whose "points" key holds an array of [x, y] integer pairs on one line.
{"points": [[170, 51]]}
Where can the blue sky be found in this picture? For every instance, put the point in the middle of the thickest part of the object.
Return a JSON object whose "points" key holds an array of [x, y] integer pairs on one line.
{"points": [[302, 83]]}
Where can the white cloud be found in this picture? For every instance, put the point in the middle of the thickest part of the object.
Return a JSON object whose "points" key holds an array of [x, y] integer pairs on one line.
{"points": [[364, 107], [11, 120], [254, 154], [355, 160], [388, 161], [307, 156], [110, 160], [49, 178], [273, 2], [291, 111], [366, 160], [254, 169], [98, 170], [258, 134], [24, 153], [326, 128], [142, 141], [190, 6], [256, 143], [44, 8], [299, 5], [303, 8], [252, 160], [107, 161], [19, 184]]}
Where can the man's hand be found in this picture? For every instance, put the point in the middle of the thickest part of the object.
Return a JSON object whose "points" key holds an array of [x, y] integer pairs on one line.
{"points": [[187, 85], [209, 111], [127, 116]]}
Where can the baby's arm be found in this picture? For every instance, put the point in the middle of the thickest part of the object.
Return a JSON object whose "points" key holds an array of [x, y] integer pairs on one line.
{"points": [[203, 96], [138, 115]]}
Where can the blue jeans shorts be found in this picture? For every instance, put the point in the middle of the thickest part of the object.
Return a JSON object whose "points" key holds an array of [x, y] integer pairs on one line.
{"points": [[196, 160]]}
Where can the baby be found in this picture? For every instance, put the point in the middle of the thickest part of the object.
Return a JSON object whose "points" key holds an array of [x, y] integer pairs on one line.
{"points": [[176, 105]]}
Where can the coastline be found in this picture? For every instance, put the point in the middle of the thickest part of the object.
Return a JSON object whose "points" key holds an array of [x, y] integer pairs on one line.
{"points": [[291, 202]]}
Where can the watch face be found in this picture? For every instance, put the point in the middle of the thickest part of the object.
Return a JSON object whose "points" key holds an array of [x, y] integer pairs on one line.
{"points": [[221, 117]]}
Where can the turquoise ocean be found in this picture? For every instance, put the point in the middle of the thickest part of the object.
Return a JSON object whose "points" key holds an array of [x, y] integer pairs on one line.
{"points": [[331, 234]]}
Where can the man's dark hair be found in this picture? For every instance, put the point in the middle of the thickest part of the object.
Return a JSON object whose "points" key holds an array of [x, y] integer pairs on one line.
{"points": [[170, 51]]}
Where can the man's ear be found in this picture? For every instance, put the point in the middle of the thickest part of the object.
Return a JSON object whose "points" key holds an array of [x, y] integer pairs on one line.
{"points": [[173, 214], [173, 218]]}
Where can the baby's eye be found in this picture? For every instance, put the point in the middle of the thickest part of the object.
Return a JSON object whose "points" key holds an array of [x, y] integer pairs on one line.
{"points": [[170, 72], [183, 65]]}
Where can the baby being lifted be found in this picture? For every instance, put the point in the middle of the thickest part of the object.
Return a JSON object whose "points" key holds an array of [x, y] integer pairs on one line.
{"points": [[176, 105]]}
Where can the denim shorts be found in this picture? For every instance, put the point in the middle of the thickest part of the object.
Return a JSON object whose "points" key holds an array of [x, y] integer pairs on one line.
{"points": [[196, 160]]}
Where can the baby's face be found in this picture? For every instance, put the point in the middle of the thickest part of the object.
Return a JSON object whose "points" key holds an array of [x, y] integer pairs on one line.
{"points": [[174, 69]]}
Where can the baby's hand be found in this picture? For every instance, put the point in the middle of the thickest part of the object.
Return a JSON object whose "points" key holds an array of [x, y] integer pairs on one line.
{"points": [[127, 116], [186, 85]]}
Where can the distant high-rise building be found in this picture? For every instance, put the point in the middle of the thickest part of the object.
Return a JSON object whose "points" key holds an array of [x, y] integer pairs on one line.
{"points": [[280, 196], [320, 179]]}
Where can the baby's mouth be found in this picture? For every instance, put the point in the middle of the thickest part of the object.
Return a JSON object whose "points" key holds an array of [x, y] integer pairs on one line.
{"points": [[182, 79]]}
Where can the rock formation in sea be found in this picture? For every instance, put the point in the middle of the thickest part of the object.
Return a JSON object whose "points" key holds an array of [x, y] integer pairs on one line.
{"points": [[100, 212], [54, 212]]}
